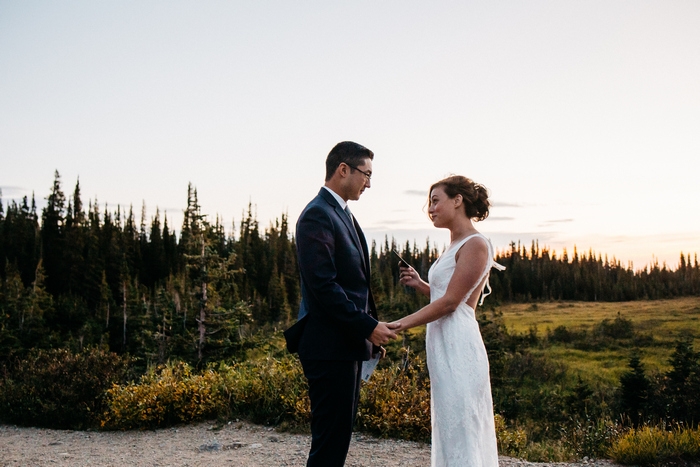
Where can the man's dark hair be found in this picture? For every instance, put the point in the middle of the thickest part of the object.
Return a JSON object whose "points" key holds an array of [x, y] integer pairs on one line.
{"points": [[352, 154]]}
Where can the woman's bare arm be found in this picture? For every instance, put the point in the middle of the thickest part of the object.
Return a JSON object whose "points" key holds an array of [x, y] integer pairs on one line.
{"points": [[471, 260]]}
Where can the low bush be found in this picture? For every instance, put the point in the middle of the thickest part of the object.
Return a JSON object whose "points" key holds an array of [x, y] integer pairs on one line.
{"points": [[650, 446], [395, 402], [164, 396], [547, 451], [511, 443], [269, 391], [591, 437], [59, 389]]}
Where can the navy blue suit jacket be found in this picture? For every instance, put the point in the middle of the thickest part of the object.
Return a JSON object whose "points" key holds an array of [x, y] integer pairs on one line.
{"points": [[337, 302]]}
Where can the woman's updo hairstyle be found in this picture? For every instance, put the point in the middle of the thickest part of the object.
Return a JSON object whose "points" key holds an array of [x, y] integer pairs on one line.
{"points": [[475, 197]]}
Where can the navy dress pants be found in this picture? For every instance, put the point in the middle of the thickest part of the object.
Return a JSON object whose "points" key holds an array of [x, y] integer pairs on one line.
{"points": [[334, 390]]}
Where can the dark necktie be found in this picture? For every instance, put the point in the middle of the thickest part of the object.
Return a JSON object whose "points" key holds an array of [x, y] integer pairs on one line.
{"points": [[352, 221]]}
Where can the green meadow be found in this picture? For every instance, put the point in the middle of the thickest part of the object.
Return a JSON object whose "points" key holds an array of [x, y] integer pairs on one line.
{"points": [[656, 325]]}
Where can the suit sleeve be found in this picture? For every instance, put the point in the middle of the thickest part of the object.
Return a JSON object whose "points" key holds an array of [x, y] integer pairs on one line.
{"points": [[316, 238]]}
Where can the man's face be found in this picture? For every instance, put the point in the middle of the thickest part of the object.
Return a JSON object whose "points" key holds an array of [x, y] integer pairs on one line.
{"points": [[359, 179]]}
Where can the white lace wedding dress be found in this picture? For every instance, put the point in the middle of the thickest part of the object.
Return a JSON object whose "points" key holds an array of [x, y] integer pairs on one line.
{"points": [[463, 432]]}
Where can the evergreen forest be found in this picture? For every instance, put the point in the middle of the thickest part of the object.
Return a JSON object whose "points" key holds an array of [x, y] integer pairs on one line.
{"points": [[75, 276]]}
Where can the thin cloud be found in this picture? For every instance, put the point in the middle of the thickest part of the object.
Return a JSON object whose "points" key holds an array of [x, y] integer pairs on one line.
{"points": [[416, 193], [505, 204], [501, 218], [13, 191], [557, 221], [395, 222]]}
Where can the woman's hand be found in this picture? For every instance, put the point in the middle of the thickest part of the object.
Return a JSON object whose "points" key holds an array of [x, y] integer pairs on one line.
{"points": [[409, 276], [396, 326]]}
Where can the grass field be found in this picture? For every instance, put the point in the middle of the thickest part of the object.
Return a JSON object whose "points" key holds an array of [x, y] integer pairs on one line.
{"points": [[665, 321]]}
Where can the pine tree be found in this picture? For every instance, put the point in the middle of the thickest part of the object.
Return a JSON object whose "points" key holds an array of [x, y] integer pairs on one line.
{"points": [[12, 306], [634, 392], [39, 303], [53, 239], [154, 258], [169, 249], [681, 381], [75, 234]]}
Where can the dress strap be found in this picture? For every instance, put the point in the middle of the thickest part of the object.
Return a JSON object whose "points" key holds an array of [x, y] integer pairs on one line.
{"points": [[494, 264], [499, 267], [490, 264]]}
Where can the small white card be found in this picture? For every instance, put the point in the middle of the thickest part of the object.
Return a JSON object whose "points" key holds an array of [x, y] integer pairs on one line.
{"points": [[369, 366]]}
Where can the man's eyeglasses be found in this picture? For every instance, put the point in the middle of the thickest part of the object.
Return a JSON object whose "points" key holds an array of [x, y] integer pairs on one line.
{"points": [[368, 175]]}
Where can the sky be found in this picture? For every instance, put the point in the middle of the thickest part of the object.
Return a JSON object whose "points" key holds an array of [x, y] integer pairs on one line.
{"points": [[582, 118]]}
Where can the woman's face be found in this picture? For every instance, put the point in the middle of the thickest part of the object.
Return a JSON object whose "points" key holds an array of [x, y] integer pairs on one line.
{"points": [[441, 209]]}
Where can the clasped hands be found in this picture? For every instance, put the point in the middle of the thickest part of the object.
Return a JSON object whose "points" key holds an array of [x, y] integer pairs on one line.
{"points": [[384, 332]]}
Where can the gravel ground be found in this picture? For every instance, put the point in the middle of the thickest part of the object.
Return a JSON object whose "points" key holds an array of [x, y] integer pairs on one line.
{"points": [[237, 444]]}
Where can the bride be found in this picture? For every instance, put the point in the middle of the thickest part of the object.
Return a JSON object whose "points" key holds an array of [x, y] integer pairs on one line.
{"points": [[463, 432]]}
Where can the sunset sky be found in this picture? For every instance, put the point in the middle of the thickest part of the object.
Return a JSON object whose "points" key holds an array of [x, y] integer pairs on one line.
{"points": [[581, 117]]}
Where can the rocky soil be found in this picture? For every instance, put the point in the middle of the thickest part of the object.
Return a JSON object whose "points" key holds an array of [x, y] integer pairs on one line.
{"points": [[236, 444]]}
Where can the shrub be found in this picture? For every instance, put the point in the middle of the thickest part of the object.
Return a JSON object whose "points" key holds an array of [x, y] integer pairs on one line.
{"points": [[164, 396], [619, 328], [649, 446], [591, 438], [547, 451], [269, 390], [395, 402], [561, 334], [59, 389], [510, 442]]}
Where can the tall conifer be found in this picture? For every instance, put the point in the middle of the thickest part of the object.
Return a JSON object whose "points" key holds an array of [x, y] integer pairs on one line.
{"points": [[53, 240]]}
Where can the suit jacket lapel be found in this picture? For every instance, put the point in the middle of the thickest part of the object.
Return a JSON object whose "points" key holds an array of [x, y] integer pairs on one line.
{"points": [[358, 238], [355, 230]]}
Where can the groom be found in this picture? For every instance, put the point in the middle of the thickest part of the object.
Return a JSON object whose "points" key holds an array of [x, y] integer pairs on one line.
{"points": [[337, 315]]}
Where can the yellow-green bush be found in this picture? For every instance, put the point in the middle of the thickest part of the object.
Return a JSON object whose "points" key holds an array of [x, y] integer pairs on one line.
{"points": [[269, 390], [547, 451], [164, 396], [654, 446], [395, 402], [266, 391], [515, 443], [510, 442]]}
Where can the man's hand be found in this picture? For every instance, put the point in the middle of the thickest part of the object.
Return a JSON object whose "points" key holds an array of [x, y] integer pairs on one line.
{"points": [[382, 334]]}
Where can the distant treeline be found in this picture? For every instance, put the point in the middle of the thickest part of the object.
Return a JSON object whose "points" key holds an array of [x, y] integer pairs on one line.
{"points": [[538, 274], [77, 276]]}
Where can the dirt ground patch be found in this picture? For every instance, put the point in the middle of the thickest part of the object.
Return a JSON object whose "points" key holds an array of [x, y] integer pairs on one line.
{"points": [[236, 444]]}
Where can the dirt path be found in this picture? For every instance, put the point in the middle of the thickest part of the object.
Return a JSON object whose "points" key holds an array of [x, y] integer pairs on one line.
{"points": [[236, 444]]}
